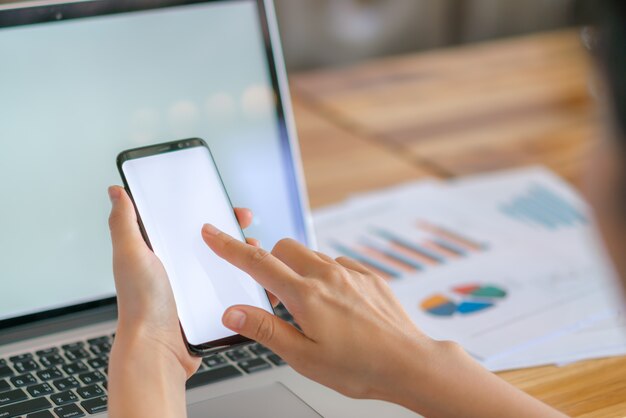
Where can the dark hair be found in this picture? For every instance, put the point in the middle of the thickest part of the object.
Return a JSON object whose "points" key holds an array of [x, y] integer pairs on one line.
{"points": [[611, 52]]}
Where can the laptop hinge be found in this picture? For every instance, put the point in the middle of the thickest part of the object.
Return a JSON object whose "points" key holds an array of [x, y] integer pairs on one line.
{"points": [[58, 324]]}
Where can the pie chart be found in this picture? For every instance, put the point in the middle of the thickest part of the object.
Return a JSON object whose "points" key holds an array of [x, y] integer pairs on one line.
{"points": [[465, 299]]}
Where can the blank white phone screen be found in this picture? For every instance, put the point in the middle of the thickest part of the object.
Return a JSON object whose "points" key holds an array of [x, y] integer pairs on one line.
{"points": [[176, 193]]}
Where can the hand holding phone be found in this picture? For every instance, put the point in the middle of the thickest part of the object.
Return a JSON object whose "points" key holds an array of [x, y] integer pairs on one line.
{"points": [[176, 188]]}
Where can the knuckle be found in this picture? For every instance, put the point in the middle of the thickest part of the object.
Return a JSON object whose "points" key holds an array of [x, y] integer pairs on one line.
{"points": [[350, 263], [311, 291], [265, 330], [335, 273], [227, 243], [313, 287], [114, 218], [257, 256], [375, 279], [282, 245]]}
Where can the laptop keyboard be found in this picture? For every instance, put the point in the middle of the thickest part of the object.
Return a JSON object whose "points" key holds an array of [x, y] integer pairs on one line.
{"points": [[70, 381]]}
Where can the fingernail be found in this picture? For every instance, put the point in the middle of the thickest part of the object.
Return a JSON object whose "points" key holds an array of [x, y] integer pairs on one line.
{"points": [[210, 229], [235, 319], [114, 194]]}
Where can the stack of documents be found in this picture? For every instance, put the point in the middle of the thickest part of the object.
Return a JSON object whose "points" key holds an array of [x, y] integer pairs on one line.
{"points": [[507, 264]]}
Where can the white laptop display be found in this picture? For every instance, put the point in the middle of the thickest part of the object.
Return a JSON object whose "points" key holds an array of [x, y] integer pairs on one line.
{"points": [[82, 80]]}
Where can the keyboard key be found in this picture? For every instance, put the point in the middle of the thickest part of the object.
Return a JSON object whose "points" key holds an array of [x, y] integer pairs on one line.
{"points": [[12, 396], [49, 374], [25, 366], [213, 375], [238, 354], [6, 371], [214, 361], [103, 347], [98, 362], [47, 351], [25, 407], [254, 365], [98, 340], [274, 358], [92, 377], [67, 383], [259, 349], [41, 414], [77, 354], [23, 380], [90, 391], [95, 350], [73, 346], [75, 368], [64, 397], [52, 360], [69, 411], [21, 357], [95, 405], [4, 385], [40, 390]]}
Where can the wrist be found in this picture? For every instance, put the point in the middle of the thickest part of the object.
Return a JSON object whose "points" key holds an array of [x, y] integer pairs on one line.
{"points": [[142, 368], [139, 347], [429, 370], [442, 380]]}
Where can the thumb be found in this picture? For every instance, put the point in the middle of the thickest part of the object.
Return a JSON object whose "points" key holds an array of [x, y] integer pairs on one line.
{"points": [[269, 330], [125, 233]]}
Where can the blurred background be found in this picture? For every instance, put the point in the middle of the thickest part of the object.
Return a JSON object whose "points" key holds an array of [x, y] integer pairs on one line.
{"points": [[320, 33]]}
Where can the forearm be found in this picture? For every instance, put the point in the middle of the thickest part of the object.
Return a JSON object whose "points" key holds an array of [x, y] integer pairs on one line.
{"points": [[449, 383], [143, 380]]}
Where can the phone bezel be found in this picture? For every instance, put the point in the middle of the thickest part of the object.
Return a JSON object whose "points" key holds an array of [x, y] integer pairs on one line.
{"points": [[163, 148]]}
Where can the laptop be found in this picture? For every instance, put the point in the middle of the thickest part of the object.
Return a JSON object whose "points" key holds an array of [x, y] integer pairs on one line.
{"points": [[81, 80]]}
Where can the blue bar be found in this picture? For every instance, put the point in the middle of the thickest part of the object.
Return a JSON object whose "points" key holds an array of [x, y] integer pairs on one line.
{"points": [[447, 234], [367, 260], [401, 241], [525, 206], [512, 212], [395, 255], [544, 198], [561, 203], [450, 247], [519, 212], [542, 211]]}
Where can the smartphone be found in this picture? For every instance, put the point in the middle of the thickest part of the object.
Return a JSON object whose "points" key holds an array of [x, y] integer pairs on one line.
{"points": [[176, 188]]}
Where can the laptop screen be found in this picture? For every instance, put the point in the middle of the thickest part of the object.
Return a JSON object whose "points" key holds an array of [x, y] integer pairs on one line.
{"points": [[76, 92]]}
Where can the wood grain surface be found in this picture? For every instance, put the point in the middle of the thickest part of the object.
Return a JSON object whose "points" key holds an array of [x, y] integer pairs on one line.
{"points": [[338, 163], [457, 111], [471, 109]]}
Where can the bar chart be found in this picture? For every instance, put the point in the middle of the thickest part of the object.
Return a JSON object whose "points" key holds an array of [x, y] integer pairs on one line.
{"points": [[498, 262], [394, 253], [541, 207]]}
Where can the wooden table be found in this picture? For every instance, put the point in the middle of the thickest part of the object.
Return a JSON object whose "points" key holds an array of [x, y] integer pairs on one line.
{"points": [[458, 111]]}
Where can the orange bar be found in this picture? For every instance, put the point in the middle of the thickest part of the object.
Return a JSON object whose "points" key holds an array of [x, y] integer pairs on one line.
{"points": [[443, 233], [418, 257], [386, 259], [433, 246]]}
